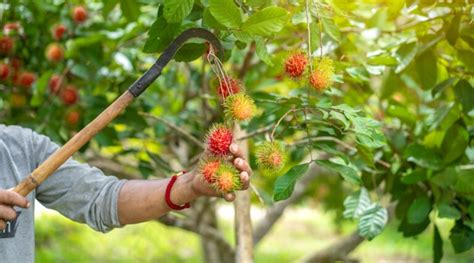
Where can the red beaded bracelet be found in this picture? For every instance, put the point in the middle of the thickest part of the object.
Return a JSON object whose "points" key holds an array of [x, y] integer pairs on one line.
{"points": [[168, 194]]}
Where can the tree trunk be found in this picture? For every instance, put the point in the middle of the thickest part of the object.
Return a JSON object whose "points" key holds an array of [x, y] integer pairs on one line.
{"points": [[243, 222]]}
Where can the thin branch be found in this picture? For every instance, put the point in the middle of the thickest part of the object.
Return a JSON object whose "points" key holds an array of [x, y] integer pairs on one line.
{"points": [[256, 132], [279, 121], [176, 128], [247, 60]]}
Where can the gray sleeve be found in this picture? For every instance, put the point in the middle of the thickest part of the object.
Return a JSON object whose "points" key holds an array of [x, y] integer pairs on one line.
{"points": [[78, 191]]}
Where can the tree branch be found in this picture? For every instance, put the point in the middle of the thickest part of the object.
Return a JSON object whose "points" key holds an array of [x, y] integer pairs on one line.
{"points": [[247, 60]]}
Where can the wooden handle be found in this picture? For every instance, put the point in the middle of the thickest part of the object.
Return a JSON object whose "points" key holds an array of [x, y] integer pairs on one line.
{"points": [[73, 145]]}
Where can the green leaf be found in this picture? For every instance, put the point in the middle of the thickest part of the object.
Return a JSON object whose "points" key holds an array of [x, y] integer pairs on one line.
{"points": [[175, 11], [39, 89], [427, 69], [285, 184], [226, 13], [419, 210], [335, 115], [356, 204], [347, 172], [465, 94], [466, 56], [210, 21], [414, 176], [372, 221], [452, 31], [462, 237], [262, 52], [384, 59], [437, 246], [455, 142], [440, 87], [422, 156], [447, 211], [108, 6], [405, 55], [266, 21], [331, 29], [130, 9], [190, 52]]}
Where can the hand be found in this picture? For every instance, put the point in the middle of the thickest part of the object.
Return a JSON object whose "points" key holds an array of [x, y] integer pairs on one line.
{"points": [[200, 187], [9, 199]]}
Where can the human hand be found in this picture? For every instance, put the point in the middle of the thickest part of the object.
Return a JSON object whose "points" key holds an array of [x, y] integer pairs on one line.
{"points": [[202, 188], [9, 199]]}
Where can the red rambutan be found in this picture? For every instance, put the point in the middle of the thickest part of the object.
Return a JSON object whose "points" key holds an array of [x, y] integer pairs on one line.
{"points": [[295, 64], [219, 139], [228, 87]]}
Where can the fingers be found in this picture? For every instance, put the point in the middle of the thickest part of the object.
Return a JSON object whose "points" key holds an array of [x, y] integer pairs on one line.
{"points": [[7, 213], [229, 197], [13, 199], [3, 224], [242, 165], [236, 151], [245, 179]]}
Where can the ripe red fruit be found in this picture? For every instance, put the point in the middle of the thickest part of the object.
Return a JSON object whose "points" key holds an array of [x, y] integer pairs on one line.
{"points": [[73, 117], [4, 71], [270, 157], [15, 63], [226, 179], [70, 95], [58, 31], [54, 52], [9, 28], [6, 45], [55, 83], [228, 87], [295, 65], [208, 167], [79, 14], [219, 139], [26, 79]]}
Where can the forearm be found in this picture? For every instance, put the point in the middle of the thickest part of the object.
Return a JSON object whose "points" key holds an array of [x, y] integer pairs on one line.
{"points": [[143, 200]]}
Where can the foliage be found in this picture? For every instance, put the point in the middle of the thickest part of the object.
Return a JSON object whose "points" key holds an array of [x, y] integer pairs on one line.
{"points": [[396, 124]]}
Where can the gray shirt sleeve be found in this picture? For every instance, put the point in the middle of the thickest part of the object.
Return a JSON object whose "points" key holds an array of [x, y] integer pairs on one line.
{"points": [[78, 191]]}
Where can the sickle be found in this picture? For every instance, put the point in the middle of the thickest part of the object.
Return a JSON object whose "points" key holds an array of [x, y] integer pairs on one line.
{"points": [[85, 135]]}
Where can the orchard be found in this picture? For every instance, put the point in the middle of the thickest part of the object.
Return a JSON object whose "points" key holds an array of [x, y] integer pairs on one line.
{"points": [[359, 110]]}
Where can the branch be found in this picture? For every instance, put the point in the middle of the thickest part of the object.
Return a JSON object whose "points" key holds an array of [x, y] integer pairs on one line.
{"points": [[171, 125], [276, 211], [256, 132], [336, 251], [247, 60]]}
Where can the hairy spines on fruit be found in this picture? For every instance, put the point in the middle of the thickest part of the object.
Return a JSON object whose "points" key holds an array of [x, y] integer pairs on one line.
{"points": [[270, 156], [218, 140], [227, 179], [239, 106], [321, 77], [208, 168], [79, 14], [295, 64], [228, 86]]}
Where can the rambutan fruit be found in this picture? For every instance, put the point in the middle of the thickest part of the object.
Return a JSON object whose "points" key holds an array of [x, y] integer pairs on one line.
{"points": [[321, 78], [6, 45], [58, 31], [219, 139], [228, 87], [4, 71], [208, 167], [70, 96], [54, 52], [227, 179], [55, 83], [73, 117], [295, 64], [270, 156], [26, 79], [239, 107], [79, 14]]}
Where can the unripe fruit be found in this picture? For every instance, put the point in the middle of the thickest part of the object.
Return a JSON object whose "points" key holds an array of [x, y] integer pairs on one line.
{"points": [[6, 45], [73, 117], [295, 64], [239, 107], [69, 95], [321, 78], [270, 156], [54, 52], [79, 14], [17, 100], [208, 167], [58, 31], [219, 139], [228, 87], [227, 179], [4, 71], [55, 83], [26, 79]]}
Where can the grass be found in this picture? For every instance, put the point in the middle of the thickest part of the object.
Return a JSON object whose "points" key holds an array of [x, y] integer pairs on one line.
{"points": [[299, 232]]}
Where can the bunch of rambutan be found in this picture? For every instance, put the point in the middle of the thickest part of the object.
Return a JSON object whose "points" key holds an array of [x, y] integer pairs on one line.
{"points": [[321, 76]]}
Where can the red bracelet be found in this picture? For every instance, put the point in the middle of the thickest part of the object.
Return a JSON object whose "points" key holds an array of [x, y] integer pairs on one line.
{"points": [[168, 194]]}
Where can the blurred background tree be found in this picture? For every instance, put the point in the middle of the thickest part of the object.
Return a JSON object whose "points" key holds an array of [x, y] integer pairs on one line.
{"points": [[389, 141]]}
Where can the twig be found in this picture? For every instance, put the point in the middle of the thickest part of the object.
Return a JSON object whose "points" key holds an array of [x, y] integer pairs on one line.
{"points": [[176, 128], [279, 121], [248, 58], [256, 132]]}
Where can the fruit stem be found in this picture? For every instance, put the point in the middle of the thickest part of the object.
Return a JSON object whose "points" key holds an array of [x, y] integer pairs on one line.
{"points": [[308, 29]]}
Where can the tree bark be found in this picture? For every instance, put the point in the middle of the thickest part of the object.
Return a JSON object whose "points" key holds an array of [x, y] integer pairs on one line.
{"points": [[243, 222]]}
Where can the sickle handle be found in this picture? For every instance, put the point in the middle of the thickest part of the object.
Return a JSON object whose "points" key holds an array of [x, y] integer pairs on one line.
{"points": [[85, 135]]}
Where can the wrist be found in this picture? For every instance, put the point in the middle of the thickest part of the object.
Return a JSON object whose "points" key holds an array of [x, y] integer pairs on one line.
{"points": [[189, 185]]}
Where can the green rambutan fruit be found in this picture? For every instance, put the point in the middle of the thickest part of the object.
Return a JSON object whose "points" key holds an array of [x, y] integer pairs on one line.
{"points": [[239, 106], [270, 156], [227, 178]]}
